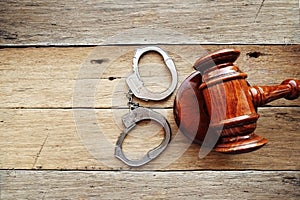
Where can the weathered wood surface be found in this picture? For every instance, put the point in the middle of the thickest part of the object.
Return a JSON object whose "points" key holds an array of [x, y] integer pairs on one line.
{"points": [[47, 77], [149, 185], [39, 128], [41, 83], [47, 139], [79, 22], [38, 125]]}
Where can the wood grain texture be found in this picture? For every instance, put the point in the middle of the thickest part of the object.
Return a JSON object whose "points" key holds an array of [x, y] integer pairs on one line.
{"points": [[149, 185], [43, 113], [39, 127], [48, 139], [94, 22], [47, 77]]}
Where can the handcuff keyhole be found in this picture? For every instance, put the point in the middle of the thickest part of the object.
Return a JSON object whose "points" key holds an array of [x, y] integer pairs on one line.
{"points": [[154, 72], [140, 140]]}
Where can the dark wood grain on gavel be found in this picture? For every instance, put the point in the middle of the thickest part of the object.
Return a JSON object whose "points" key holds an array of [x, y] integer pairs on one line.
{"points": [[217, 96]]}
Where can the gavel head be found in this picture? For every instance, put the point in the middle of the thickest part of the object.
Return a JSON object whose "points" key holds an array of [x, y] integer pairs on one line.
{"points": [[218, 102]]}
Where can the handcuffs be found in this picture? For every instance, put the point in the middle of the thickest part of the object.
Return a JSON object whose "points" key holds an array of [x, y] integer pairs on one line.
{"points": [[137, 113]]}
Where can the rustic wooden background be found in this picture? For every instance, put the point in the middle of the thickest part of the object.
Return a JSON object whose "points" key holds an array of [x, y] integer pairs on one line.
{"points": [[47, 47]]}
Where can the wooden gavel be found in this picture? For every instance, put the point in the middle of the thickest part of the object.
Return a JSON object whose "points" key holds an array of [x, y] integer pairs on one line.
{"points": [[218, 97]]}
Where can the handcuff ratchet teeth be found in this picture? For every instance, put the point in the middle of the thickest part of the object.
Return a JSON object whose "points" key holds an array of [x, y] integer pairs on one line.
{"points": [[137, 113]]}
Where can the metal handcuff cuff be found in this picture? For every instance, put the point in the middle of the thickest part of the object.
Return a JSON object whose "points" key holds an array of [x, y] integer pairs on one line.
{"points": [[137, 113]]}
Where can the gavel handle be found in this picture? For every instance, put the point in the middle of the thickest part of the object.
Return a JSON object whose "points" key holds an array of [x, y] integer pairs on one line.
{"points": [[288, 89]]}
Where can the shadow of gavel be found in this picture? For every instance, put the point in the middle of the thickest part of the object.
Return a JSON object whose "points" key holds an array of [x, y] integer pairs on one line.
{"points": [[226, 103]]}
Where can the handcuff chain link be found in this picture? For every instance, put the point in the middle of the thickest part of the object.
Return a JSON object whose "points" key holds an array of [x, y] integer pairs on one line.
{"points": [[131, 104]]}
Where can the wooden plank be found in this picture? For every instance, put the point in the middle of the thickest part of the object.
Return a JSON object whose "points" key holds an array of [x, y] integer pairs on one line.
{"points": [[49, 77], [48, 139], [22, 184], [77, 22]]}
